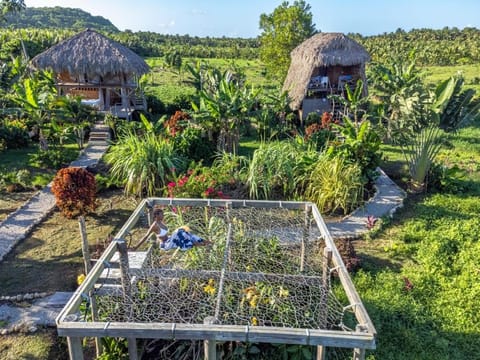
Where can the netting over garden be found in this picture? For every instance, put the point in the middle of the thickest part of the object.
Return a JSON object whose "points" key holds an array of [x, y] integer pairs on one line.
{"points": [[268, 272], [252, 272]]}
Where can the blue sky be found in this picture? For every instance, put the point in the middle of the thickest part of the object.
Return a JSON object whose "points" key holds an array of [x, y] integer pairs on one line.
{"points": [[241, 18]]}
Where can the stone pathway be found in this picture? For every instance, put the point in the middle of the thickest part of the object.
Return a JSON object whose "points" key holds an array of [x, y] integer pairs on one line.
{"points": [[387, 199]]}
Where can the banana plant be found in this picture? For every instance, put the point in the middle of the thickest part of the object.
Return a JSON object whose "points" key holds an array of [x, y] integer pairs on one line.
{"points": [[35, 96], [222, 109]]}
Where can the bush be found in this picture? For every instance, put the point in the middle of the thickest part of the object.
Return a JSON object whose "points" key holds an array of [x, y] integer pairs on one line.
{"points": [[75, 191], [154, 104], [51, 158], [193, 144], [334, 185], [13, 135], [276, 167], [143, 163]]}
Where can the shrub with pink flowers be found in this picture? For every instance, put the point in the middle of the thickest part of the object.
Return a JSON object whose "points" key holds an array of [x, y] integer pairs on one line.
{"points": [[198, 182]]}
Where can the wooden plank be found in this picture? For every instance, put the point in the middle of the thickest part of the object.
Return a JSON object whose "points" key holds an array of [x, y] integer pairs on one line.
{"points": [[352, 295], [75, 350], [264, 204], [219, 333]]}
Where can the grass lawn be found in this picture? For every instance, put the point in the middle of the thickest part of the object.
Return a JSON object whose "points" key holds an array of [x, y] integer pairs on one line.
{"points": [[419, 276], [13, 160]]}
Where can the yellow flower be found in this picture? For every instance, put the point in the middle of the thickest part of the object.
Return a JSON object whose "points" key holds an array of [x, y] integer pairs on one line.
{"points": [[80, 279], [210, 287], [283, 292], [254, 301], [254, 321]]}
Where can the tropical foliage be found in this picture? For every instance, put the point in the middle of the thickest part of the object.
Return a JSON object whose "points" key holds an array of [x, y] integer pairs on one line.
{"points": [[143, 163]]}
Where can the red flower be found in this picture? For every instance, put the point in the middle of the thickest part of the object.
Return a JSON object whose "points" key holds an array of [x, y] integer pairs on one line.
{"points": [[408, 284]]}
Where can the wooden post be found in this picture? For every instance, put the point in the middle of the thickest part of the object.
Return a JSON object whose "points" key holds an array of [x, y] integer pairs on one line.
{"points": [[132, 349], [327, 258], [124, 275], [88, 266], [306, 232], [85, 252], [209, 345], [359, 353], [75, 351]]}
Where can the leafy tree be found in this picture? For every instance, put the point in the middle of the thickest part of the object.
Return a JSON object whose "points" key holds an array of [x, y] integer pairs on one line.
{"points": [[10, 6], [284, 29]]}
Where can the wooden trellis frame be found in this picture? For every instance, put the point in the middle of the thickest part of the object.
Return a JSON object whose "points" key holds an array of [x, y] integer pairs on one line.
{"points": [[359, 340]]}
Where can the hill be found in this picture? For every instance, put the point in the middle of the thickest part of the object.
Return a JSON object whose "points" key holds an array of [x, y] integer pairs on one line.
{"points": [[58, 17]]}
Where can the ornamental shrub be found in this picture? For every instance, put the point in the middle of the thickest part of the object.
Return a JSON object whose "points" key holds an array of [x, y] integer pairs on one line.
{"points": [[75, 191]]}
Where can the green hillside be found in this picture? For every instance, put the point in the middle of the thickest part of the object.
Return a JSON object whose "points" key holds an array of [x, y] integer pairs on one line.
{"points": [[57, 17]]}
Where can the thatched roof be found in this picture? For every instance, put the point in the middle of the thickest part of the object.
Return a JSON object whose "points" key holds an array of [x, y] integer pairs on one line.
{"points": [[322, 49], [91, 53]]}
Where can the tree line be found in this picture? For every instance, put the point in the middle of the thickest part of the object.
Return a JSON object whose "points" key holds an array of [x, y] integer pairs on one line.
{"points": [[448, 46]]}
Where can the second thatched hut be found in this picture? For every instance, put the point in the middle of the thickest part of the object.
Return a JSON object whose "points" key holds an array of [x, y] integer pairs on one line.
{"points": [[323, 64]]}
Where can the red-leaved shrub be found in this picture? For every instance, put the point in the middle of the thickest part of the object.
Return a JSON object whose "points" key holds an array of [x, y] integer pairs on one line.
{"points": [[75, 191]]}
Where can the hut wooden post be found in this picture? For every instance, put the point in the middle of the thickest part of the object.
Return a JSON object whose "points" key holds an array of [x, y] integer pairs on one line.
{"points": [[327, 258]]}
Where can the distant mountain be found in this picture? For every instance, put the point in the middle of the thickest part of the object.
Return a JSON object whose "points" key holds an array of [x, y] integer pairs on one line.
{"points": [[57, 17]]}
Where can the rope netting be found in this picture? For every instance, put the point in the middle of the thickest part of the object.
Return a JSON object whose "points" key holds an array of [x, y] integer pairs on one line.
{"points": [[261, 267]]}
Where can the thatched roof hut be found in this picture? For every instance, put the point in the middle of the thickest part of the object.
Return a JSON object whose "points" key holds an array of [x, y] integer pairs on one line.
{"points": [[90, 53], [331, 52], [102, 71]]}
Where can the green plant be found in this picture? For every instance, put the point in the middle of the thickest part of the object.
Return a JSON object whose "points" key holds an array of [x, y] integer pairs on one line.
{"points": [[333, 184], [143, 164], [360, 145], [13, 134], [75, 191], [52, 158], [275, 168], [448, 108], [114, 349]]}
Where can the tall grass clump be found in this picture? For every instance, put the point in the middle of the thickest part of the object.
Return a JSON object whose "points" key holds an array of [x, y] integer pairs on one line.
{"points": [[142, 163], [276, 167], [333, 185]]}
